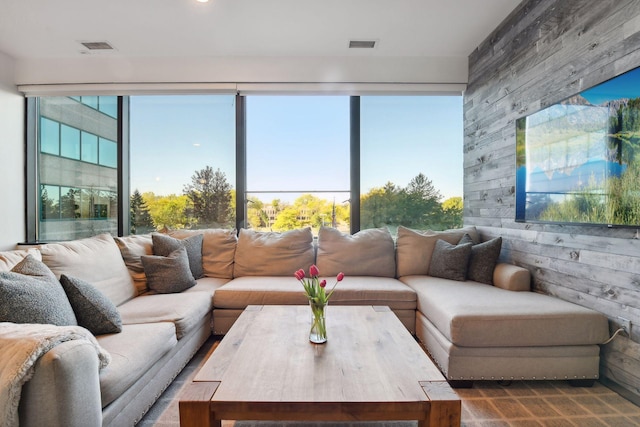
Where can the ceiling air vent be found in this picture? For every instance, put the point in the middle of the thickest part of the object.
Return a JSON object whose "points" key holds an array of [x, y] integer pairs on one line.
{"points": [[362, 44], [97, 45]]}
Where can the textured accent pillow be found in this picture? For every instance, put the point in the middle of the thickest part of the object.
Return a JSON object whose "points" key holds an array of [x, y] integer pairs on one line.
{"points": [[163, 245], [268, 253], [168, 274], [92, 308], [450, 261], [30, 293], [369, 252], [483, 259]]}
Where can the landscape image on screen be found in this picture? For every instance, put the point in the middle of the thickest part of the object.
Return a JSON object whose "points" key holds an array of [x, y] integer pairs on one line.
{"points": [[578, 161]]}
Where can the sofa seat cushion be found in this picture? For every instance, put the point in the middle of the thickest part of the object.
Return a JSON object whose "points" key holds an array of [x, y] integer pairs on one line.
{"points": [[133, 351], [207, 284], [185, 310], [353, 290], [471, 314]]}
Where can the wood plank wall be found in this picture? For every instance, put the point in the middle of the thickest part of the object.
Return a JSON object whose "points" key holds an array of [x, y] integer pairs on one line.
{"points": [[545, 51]]}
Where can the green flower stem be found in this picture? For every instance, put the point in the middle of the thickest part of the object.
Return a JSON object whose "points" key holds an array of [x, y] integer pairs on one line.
{"points": [[318, 324]]}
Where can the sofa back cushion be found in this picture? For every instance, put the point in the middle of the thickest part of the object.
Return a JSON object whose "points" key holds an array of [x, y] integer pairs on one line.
{"points": [[415, 248], [218, 250], [10, 259], [369, 252], [96, 260], [266, 253]]}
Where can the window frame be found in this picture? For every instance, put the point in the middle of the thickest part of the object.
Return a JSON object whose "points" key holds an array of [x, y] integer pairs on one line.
{"points": [[32, 188]]}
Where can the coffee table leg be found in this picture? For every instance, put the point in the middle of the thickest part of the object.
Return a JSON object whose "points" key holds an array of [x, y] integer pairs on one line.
{"points": [[194, 403], [445, 406]]}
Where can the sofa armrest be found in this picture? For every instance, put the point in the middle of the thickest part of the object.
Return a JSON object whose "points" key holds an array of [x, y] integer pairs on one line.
{"points": [[511, 277], [64, 389]]}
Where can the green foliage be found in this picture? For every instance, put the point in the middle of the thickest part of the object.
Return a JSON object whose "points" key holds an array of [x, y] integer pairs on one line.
{"points": [[70, 204], [416, 206], [139, 216], [622, 206], [168, 212], [210, 196], [452, 209], [287, 220]]}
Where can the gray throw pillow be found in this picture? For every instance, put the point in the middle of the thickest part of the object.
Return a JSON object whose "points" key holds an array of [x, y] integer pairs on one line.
{"points": [[30, 293], [163, 245], [483, 259], [450, 261], [92, 308], [168, 274]]}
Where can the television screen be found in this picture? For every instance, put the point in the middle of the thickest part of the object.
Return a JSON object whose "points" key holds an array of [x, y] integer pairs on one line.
{"points": [[578, 161]]}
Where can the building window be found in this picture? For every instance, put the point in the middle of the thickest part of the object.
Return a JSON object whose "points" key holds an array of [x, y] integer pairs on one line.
{"points": [[77, 173]]}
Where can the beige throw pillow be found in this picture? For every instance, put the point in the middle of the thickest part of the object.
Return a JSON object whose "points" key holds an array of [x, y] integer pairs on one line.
{"points": [[132, 248], [415, 248], [218, 250], [369, 252], [267, 253]]}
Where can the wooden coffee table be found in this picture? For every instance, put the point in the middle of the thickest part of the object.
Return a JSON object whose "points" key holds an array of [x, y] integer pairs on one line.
{"points": [[370, 369]]}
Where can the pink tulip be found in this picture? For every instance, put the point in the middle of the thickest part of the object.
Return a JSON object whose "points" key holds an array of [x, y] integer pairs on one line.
{"points": [[340, 276], [323, 283], [299, 274], [313, 270]]}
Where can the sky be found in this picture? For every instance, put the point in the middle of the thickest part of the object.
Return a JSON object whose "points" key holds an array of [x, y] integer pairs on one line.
{"points": [[626, 85], [296, 143]]}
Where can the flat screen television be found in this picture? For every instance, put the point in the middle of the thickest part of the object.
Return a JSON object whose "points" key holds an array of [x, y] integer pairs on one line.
{"points": [[578, 161]]}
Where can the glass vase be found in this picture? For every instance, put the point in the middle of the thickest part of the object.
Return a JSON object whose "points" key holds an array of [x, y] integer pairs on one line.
{"points": [[318, 332]]}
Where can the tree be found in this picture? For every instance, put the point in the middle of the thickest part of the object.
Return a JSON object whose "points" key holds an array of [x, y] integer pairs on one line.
{"points": [[49, 207], [140, 218], [452, 209], [210, 195], [256, 217], [287, 220], [69, 205], [168, 211]]}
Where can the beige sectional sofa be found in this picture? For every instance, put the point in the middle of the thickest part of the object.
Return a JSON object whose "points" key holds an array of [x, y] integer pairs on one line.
{"points": [[472, 330]]}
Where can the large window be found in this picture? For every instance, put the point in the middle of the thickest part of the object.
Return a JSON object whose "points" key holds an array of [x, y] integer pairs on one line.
{"points": [[182, 162], [297, 162], [411, 162], [77, 175], [259, 161]]}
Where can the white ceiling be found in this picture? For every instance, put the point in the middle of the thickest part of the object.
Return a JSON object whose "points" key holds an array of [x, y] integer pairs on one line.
{"points": [[36, 31]]}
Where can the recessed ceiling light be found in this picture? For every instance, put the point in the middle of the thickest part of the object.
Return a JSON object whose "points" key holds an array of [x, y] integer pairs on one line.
{"points": [[362, 44], [202, 1]]}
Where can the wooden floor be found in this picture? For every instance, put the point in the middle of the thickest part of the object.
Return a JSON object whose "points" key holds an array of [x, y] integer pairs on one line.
{"points": [[488, 404]]}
